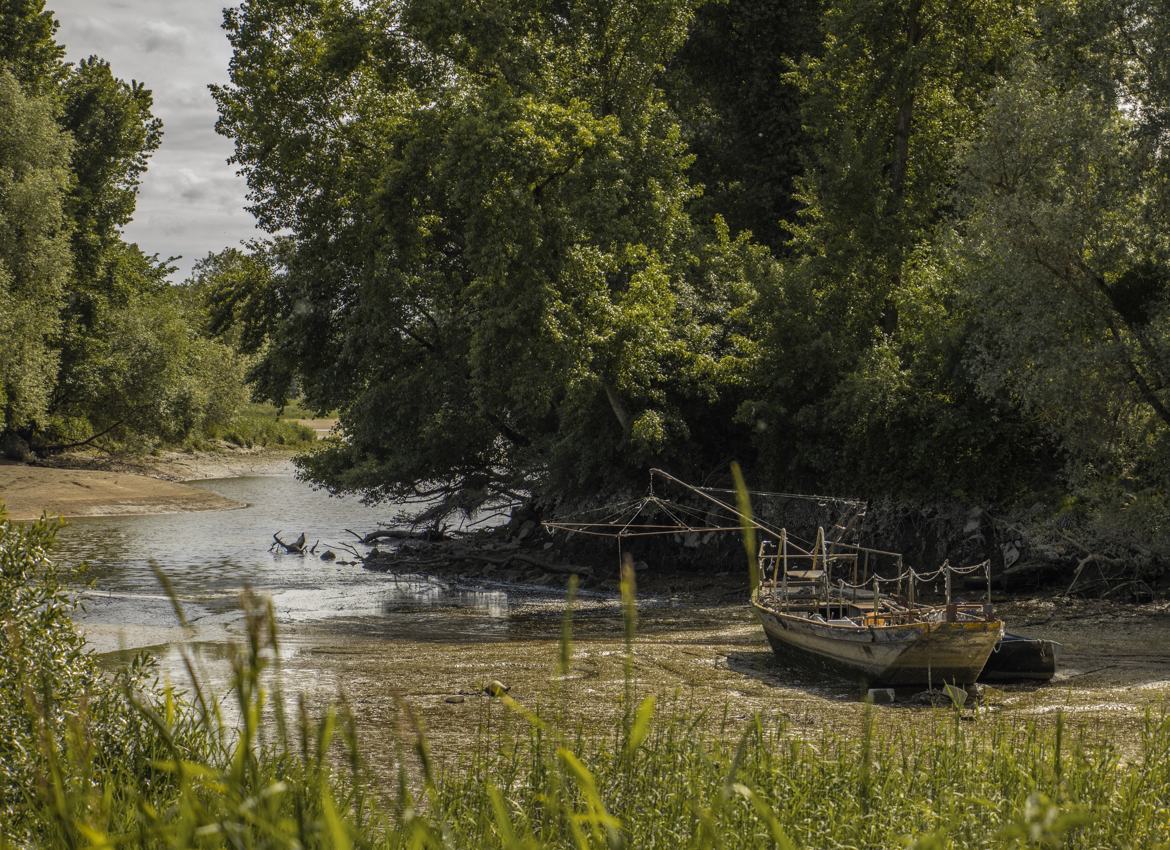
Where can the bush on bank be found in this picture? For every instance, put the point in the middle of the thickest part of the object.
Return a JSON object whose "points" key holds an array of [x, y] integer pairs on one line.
{"points": [[72, 732], [94, 759]]}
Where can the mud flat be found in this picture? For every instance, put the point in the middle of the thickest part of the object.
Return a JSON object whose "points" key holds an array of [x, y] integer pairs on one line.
{"points": [[29, 491], [708, 661]]}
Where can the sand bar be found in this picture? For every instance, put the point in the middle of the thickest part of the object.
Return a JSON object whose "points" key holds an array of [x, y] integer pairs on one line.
{"points": [[29, 491]]}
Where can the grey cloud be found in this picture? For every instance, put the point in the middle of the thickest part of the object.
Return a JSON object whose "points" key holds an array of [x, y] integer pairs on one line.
{"points": [[95, 30], [161, 36], [191, 200]]}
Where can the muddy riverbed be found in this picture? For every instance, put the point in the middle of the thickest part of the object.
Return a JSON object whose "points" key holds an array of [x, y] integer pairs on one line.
{"points": [[435, 643]]}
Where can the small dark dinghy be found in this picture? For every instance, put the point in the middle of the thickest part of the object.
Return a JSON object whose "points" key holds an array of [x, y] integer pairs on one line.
{"points": [[1020, 659]]}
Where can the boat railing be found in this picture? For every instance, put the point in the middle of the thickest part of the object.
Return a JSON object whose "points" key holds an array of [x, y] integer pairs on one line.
{"points": [[817, 572]]}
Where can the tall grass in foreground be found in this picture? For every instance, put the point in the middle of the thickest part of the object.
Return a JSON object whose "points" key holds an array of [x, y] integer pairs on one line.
{"points": [[261, 772]]}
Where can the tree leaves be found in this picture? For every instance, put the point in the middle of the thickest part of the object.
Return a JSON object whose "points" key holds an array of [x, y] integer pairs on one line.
{"points": [[515, 238]]}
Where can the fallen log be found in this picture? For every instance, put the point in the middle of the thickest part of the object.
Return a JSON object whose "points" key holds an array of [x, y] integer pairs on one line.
{"points": [[517, 557], [428, 535]]}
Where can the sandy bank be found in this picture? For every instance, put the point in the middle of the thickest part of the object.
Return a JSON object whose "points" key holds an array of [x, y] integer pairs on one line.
{"points": [[29, 491], [228, 462]]}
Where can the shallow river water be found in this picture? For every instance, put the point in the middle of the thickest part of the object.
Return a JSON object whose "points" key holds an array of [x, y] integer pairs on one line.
{"points": [[210, 557], [379, 638]]}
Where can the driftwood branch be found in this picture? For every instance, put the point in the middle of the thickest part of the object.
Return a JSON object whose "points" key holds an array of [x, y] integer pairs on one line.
{"points": [[60, 447], [429, 535], [1098, 560], [297, 547]]}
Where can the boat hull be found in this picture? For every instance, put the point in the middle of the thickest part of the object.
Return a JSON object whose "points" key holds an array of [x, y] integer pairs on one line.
{"points": [[925, 653]]}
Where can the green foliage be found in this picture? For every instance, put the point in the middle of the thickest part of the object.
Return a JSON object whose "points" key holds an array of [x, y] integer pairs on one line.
{"points": [[114, 135], [1057, 201], [511, 243], [510, 247], [94, 344], [740, 116], [34, 251], [149, 376], [860, 374], [490, 270], [255, 425], [1065, 260], [72, 733], [235, 289], [29, 47]]}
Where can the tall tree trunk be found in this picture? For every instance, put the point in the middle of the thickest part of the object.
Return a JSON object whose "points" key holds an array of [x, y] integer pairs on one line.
{"points": [[900, 160], [904, 122]]}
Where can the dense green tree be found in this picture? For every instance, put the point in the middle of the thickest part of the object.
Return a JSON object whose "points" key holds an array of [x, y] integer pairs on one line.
{"points": [[149, 375], [93, 342], [860, 380], [741, 112], [490, 268], [28, 46], [234, 288], [115, 133], [1065, 258], [907, 246], [34, 251]]}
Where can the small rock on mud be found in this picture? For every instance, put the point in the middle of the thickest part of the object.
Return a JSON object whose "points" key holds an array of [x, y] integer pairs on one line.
{"points": [[496, 688]]}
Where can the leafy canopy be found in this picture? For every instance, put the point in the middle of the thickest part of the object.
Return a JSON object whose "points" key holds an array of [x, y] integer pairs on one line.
{"points": [[490, 267]]}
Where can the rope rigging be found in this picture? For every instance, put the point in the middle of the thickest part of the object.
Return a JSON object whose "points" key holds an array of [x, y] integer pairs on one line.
{"points": [[653, 515]]}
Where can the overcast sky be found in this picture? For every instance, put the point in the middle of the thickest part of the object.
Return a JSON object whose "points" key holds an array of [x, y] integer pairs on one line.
{"points": [[191, 200]]}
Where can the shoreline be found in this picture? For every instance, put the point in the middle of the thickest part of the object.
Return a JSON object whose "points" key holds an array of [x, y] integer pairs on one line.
{"points": [[87, 486]]}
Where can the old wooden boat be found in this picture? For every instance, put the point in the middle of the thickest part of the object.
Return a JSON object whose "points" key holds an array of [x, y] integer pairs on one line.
{"points": [[883, 646], [1017, 658], [815, 616], [824, 603]]}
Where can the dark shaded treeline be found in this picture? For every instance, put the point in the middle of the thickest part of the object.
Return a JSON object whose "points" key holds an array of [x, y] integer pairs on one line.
{"points": [[897, 248]]}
